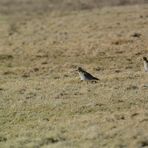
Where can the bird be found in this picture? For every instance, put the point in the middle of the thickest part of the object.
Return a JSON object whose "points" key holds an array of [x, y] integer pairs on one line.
{"points": [[145, 64], [85, 76]]}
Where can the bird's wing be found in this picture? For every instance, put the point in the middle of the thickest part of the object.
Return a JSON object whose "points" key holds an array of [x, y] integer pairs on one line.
{"points": [[89, 76]]}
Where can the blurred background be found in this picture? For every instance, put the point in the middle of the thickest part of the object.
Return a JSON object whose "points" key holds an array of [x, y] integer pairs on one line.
{"points": [[39, 6]]}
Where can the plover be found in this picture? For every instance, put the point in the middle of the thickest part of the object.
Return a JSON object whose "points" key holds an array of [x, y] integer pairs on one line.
{"points": [[145, 64], [85, 76]]}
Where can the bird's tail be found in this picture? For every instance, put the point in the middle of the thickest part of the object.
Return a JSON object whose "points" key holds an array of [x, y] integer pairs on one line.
{"points": [[96, 78]]}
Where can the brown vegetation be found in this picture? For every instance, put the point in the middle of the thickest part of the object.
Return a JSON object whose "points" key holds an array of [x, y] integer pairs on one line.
{"points": [[42, 101]]}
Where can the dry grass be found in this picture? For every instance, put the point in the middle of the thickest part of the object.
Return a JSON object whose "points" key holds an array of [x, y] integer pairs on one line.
{"points": [[42, 101], [17, 7]]}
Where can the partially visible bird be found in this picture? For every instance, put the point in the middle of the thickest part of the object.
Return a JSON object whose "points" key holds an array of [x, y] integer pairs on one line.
{"points": [[145, 64], [85, 76]]}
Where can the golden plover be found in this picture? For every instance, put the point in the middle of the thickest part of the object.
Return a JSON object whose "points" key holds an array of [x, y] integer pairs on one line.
{"points": [[85, 76], [145, 64]]}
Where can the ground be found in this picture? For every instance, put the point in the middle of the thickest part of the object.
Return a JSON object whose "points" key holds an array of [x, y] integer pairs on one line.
{"points": [[43, 103]]}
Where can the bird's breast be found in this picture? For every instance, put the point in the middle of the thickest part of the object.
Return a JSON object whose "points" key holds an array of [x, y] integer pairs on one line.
{"points": [[82, 77], [145, 66]]}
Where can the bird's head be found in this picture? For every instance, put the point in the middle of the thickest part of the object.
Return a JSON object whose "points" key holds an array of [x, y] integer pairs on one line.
{"points": [[80, 69], [145, 59]]}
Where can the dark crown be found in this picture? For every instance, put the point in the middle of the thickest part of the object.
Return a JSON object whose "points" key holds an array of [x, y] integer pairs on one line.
{"points": [[145, 59], [80, 69]]}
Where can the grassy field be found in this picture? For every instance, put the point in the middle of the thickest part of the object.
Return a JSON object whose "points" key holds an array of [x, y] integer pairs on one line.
{"points": [[42, 101]]}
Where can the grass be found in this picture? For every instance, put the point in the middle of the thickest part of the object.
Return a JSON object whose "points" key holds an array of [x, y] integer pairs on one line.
{"points": [[42, 101]]}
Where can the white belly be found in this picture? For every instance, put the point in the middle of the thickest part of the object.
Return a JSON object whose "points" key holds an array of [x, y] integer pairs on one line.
{"points": [[82, 77], [145, 66]]}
